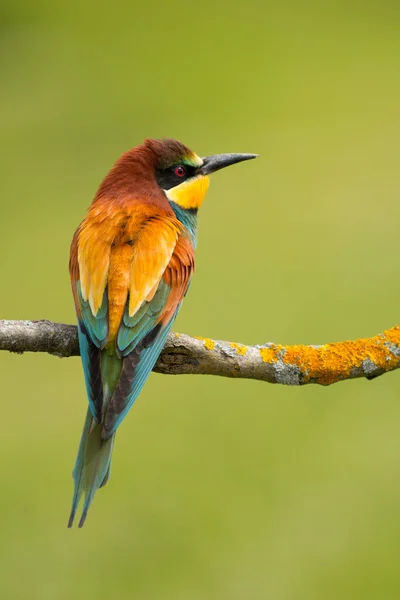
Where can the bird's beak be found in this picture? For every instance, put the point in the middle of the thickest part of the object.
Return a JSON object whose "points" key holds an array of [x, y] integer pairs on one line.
{"points": [[220, 161]]}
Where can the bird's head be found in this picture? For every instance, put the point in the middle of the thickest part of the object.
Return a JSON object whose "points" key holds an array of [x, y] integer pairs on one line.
{"points": [[182, 174], [169, 166]]}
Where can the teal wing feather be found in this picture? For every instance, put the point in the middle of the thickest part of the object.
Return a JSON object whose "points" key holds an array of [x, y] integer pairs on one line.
{"points": [[96, 326], [92, 334], [140, 341], [133, 329]]}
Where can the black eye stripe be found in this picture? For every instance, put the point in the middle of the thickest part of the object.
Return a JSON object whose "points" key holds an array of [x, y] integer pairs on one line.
{"points": [[168, 178]]}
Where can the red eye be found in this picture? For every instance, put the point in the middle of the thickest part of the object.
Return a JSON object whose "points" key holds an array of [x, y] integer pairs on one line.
{"points": [[180, 171]]}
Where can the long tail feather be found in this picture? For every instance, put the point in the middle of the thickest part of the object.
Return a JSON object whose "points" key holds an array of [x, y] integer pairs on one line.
{"points": [[78, 468], [92, 466], [96, 466]]}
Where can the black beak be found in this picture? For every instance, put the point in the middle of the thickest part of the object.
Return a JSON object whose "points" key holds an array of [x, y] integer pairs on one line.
{"points": [[220, 161]]}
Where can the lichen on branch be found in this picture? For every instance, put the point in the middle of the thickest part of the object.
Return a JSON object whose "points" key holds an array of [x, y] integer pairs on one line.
{"points": [[182, 354]]}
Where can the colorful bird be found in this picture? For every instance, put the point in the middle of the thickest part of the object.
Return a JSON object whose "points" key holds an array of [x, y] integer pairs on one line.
{"points": [[131, 263]]}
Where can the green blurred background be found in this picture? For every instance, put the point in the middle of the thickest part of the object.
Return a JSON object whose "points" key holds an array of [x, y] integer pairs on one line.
{"points": [[223, 490]]}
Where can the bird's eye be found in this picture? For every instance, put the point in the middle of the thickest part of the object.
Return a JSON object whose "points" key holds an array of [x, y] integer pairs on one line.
{"points": [[180, 171]]}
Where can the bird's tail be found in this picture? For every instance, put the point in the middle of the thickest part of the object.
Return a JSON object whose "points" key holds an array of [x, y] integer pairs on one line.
{"points": [[92, 467]]}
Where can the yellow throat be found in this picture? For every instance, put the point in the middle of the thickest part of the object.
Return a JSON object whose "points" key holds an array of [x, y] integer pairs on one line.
{"points": [[190, 193]]}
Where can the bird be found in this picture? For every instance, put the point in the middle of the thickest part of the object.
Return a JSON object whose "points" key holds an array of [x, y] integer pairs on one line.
{"points": [[131, 264]]}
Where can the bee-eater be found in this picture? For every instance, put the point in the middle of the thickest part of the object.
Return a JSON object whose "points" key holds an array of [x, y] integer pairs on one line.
{"points": [[131, 262]]}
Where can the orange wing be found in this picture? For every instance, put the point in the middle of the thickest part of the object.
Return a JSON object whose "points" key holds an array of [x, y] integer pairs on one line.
{"points": [[178, 275], [127, 253], [152, 252]]}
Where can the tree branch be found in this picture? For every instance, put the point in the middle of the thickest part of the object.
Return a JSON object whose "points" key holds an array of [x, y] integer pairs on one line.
{"points": [[182, 354]]}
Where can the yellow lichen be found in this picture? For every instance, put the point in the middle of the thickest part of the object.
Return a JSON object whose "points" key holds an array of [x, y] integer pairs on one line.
{"points": [[270, 354], [239, 348], [209, 344], [332, 362], [392, 335]]}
